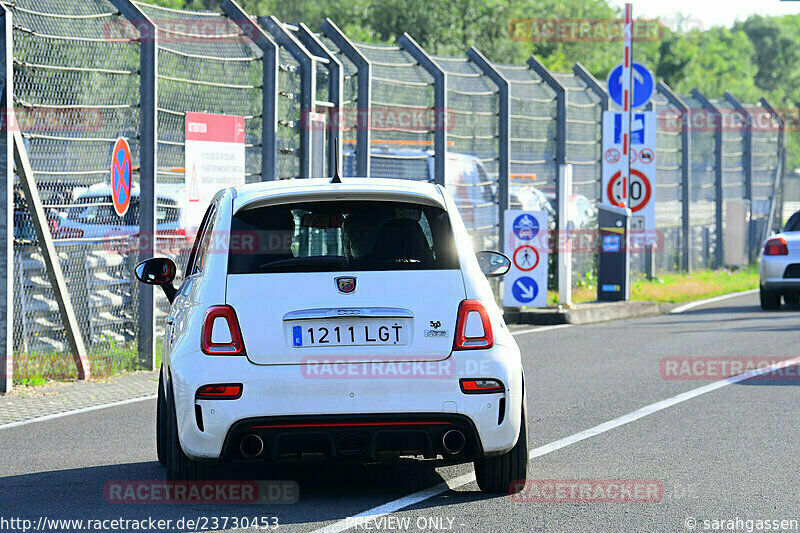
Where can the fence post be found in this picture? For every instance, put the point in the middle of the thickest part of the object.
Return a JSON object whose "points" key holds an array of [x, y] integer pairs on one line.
{"points": [[780, 167], [364, 96], [335, 90], [747, 164], [719, 189], [686, 174], [308, 84], [561, 114], [148, 153], [269, 89], [6, 207], [439, 104], [504, 132]]}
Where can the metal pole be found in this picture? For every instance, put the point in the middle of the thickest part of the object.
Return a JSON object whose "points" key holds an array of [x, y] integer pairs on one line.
{"points": [[269, 89], [335, 84], [504, 131], [747, 165], [308, 84], [719, 189], [439, 104], [6, 207], [686, 174], [148, 154], [364, 96]]}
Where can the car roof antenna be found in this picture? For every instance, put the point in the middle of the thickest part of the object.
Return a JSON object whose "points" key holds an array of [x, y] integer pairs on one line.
{"points": [[336, 177]]}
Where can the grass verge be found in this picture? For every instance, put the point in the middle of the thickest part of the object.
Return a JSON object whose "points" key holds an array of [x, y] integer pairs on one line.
{"points": [[677, 288]]}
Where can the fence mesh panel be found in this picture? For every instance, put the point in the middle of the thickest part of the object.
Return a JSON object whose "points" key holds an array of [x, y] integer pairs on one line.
{"points": [[703, 192], [401, 87], [533, 131], [76, 89], [668, 183], [473, 109], [205, 65]]}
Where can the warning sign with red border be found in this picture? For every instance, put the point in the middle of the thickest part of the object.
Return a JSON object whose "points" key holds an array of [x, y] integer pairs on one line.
{"points": [[214, 159], [635, 189]]}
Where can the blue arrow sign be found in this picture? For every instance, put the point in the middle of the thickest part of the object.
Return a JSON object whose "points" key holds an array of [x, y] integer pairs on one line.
{"points": [[643, 85], [525, 289]]}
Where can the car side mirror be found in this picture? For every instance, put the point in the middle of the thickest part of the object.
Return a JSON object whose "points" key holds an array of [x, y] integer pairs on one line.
{"points": [[158, 271], [493, 264]]}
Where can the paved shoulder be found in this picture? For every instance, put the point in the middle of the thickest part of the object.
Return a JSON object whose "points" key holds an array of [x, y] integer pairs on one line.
{"points": [[28, 403]]}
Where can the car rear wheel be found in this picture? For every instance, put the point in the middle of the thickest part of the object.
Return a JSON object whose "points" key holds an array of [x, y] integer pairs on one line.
{"points": [[506, 473], [161, 422], [770, 300], [179, 466]]}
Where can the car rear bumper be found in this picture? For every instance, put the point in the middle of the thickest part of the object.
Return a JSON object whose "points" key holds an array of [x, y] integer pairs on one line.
{"points": [[349, 394], [779, 272]]}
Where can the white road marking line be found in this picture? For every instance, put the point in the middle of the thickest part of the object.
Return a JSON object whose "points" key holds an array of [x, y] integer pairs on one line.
{"points": [[462, 480], [698, 303], [77, 411], [540, 328]]}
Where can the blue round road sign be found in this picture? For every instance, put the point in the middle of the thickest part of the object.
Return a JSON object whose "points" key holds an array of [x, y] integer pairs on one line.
{"points": [[526, 227], [643, 85], [525, 289]]}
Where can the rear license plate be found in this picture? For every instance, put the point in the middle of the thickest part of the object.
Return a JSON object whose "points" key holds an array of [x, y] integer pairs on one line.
{"points": [[345, 333]]}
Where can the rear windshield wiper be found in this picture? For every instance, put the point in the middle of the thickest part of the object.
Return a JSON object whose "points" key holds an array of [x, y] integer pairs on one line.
{"points": [[305, 263]]}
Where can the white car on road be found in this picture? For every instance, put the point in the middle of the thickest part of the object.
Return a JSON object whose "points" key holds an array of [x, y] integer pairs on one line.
{"points": [[779, 266], [345, 321]]}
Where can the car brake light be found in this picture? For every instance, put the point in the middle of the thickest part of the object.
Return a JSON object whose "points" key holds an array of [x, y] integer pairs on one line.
{"points": [[479, 386], [473, 328], [220, 392], [776, 246], [221, 333]]}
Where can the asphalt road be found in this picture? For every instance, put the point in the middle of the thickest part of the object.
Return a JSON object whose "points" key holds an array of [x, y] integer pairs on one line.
{"points": [[719, 453]]}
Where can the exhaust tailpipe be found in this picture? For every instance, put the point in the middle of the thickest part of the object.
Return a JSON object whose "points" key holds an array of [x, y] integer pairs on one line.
{"points": [[454, 441], [251, 446]]}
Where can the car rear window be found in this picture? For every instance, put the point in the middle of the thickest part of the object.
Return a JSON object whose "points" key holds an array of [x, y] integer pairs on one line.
{"points": [[794, 223], [341, 236]]}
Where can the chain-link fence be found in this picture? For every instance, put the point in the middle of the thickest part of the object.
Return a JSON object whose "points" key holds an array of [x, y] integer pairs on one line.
{"points": [[76, 90], [77, 79]]}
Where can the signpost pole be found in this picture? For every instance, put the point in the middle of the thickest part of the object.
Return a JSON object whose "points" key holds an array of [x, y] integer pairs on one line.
{"points": [[564, 230], [627, 98]]}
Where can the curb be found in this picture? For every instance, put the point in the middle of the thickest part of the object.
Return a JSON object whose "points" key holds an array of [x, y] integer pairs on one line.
{"points": [[594, 312]]}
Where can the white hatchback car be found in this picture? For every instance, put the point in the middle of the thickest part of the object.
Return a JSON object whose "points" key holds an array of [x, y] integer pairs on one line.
{"points": [[343, 321], [779, 266]]}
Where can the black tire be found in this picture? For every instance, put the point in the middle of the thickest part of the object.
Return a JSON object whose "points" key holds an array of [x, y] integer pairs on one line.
{"points": [[791, 298], [506, 473], [180, 467], [770, 300], [161, 421]]}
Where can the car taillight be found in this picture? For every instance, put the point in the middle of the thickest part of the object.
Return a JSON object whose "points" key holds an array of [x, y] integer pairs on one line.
{"points": [[480, 386], [473, 327], [230, 391], [221, 333], [776, 246]]}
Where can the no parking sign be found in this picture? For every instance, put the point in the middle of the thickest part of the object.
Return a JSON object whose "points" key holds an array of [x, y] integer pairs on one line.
{"points": [[526, 241]]}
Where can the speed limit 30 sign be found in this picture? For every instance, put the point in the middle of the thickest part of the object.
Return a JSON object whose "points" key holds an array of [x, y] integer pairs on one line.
{"points": [[634, 188]]}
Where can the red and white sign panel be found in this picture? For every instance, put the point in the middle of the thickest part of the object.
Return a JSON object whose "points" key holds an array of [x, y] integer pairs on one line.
{"points": [[215, 159]]}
